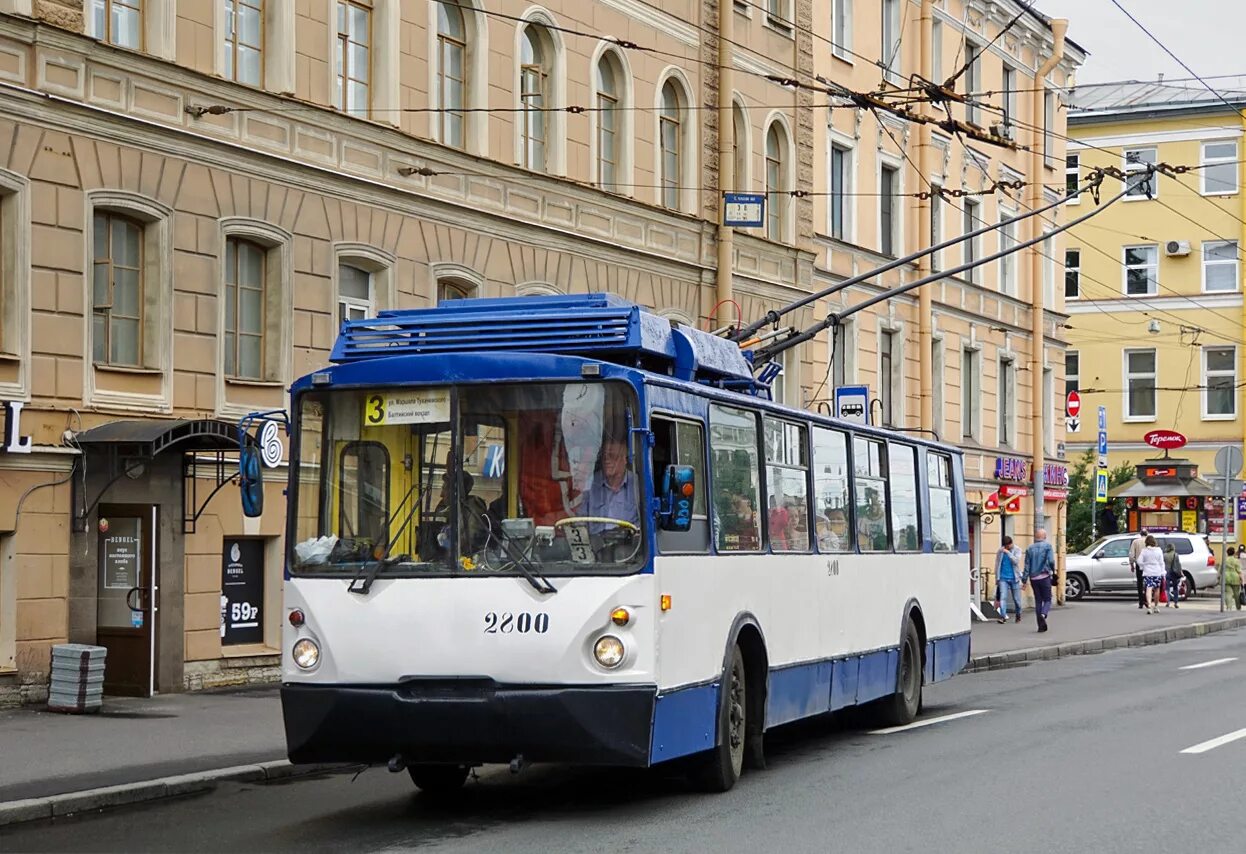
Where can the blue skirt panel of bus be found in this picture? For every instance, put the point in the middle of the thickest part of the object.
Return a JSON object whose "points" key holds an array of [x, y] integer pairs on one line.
{"points": [[685, 720]]}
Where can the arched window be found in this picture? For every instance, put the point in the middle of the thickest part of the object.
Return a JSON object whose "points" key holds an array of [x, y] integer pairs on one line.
{"points": [[448, 289], [534, 96], [451, 72], [739, 146], [777, 195], [670, 140], [608, 121]]}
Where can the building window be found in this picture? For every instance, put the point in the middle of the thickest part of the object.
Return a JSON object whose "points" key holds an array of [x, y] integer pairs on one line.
{"points": [[888, 210], [779, 14], [936, 225], [936, 51], [892, 30], [1220, 266], [244, 41], [739, 146], [1072, 274], [448, 289], [670, 133], [1007, 263], [1220, 165], [889, 361], [936, 371], [117, 287], [843, 353], [1048, 252], [1141, 270], [352, 60], [972, 79], [1137, 160], [1072, 371], [970, 385], [354, 293], [608, 122], [972, 222], [118, 22], [1219, 382], [1140, 384], [1049, 129], [1004, 402], [1072, 177], [244, 308], [533, 96], [841, 189], [1008, 97], [777, 197], [451, 72], [841, 29]]}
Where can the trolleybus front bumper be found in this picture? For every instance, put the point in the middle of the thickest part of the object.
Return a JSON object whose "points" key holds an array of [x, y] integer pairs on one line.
{"points": [[468, 721]]}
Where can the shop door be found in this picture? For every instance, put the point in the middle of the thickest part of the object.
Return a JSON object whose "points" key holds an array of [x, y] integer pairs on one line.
{"points": [[127, 587]]}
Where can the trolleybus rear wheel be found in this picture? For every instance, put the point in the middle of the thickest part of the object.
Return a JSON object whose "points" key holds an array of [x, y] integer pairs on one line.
{"points": [[902, 707], [721, 767]]}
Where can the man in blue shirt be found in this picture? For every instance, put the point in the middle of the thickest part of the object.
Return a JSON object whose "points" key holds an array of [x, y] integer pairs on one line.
{"points": [[1007, 568], [1040, 569], [613, 494]]}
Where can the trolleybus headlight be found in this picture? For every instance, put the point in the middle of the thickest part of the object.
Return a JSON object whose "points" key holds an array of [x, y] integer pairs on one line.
{"points": [[608, 651], [306, 653]]}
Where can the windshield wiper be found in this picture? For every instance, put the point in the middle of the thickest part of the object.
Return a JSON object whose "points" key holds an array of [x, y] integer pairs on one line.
{"points": [[364, 578], [527, 569]]}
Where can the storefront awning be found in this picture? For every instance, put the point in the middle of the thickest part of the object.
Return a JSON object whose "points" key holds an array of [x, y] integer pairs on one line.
{"points": [[1163, 488], [149, 437]]}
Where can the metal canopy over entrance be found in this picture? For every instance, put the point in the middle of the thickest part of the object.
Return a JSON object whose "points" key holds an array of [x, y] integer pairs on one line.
{"points": [[127, 447]]}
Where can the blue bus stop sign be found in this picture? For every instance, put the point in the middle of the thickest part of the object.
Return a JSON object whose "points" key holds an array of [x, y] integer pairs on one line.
{"points": [[744, 210]]}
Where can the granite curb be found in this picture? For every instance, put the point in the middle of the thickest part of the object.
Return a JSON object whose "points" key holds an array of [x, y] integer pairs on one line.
{"points": [[1146, 637], [55, 806]]}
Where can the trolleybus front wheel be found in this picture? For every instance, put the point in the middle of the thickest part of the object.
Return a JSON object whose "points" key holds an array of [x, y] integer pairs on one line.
{"points": [[721, 767], [438, 780]]}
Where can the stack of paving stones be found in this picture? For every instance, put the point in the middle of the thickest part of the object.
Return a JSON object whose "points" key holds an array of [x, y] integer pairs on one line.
{"points": [[77, 678]]}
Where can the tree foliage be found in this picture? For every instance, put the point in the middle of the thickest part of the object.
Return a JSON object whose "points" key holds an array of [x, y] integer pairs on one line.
{"points": [[1082, 505]]}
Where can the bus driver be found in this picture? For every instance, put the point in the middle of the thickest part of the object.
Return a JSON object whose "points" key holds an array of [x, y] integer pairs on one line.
{"points": [[613, 494]]}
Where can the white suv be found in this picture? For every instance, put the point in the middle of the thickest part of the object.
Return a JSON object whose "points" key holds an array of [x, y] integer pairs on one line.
{"points": [[1105, 565]]}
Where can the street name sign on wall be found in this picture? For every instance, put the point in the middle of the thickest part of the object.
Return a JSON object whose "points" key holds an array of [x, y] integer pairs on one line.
{"points": [[744, 210]]}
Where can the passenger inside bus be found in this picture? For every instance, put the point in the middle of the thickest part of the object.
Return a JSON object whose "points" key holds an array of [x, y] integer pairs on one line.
{"points": [[473, 521]]}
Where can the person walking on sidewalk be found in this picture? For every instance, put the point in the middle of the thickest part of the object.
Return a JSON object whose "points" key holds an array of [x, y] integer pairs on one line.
{"points": [[1172, 566], [1233, 580], [1007, 565], [1151, 562], [1135, 551], [1040, 567]]}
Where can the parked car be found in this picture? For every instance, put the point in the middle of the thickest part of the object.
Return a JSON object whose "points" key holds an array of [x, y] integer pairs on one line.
{"points": [[1105, 565]]}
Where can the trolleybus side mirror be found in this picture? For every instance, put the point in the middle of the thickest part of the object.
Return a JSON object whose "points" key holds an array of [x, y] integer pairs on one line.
{"points": [[678, 490], [251, 480]]}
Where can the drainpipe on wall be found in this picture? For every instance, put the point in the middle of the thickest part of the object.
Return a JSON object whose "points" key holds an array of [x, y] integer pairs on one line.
{"points": [[726, 157], [1038, 297], [925, 308]]}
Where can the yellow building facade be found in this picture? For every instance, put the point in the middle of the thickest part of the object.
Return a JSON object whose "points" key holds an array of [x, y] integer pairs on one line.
{"points": [[1153, 286]]}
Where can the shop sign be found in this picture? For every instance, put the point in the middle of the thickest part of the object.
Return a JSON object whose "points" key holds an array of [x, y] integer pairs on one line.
{"points": [[14, 441], [1159, 471], [1159, 502], [1189, 521], [242, 592], [1055, 475], [1006, 491], [1241, 509], [1165, 440], [1055, 494], [1012, 468]]}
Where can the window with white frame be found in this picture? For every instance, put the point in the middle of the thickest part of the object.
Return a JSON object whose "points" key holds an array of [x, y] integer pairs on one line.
{"points": [[353, 58], [973, 79], [1072, 177], [1008, 96], [244, 41], [841, 29], [972, 221], [888, 360], [936, 51], [534, 97], [1049, 411], [1220, 266], [1072, 274], [1072, 371], [841, 169], [888, 209], [1005, 405], [1219, 382], [609, 119], [779, 14], [936, 372], [452, 72], [448, 289], [354, 293], [843, 353], [118, 22], [739, 146], [892, 28], [936, 224], [1137, 181], [1141, 270], [1007, 263], [1047, 251], [1049, 129], [1219, 168], [1140, 390], [670, 144], [778, 198], [118, 288], [970, 393]]}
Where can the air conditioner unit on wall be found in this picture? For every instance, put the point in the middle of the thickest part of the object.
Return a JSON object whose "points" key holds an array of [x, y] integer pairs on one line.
{"points": [[1177, 248]]}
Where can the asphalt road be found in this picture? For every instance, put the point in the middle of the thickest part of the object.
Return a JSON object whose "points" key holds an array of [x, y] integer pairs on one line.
{"points": [[1080, 754]]}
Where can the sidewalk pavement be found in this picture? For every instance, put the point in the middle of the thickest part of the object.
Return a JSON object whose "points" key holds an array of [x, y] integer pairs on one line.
{"points": [[146, 749], [1094, 625]]}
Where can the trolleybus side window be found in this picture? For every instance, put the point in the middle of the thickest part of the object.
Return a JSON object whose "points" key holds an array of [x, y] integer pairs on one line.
{"points": [[905, 521], [787, 490], [869, 462], [939, 483], [682, 443], [832, 500], [734, 464], [363, 491]]}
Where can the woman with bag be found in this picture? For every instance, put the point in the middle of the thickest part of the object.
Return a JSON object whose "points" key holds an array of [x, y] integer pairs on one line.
{"points": [[1151, 562], [1232, 580], [1172, 565]]}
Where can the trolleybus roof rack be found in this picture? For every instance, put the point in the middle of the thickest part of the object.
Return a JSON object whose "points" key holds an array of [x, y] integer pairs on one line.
{"points": [[597, 326]]}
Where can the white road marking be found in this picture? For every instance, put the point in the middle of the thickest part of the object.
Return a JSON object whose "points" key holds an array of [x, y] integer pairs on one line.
{"points": [[932, 721], [1216, 742], [1207, 664]]}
